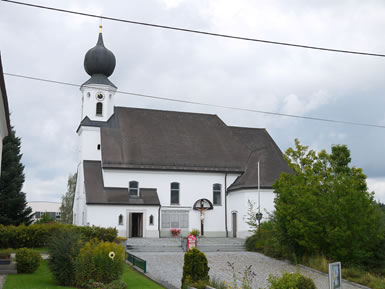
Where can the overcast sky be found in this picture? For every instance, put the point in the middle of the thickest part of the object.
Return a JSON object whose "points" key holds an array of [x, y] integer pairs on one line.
{"points": [[214, 70]]}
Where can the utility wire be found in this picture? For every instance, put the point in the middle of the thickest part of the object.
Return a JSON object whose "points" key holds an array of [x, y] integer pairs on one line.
{"points": [[197, 31], [204, 104]]}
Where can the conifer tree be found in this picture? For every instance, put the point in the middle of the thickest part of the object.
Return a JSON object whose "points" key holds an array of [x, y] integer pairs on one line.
{"points": [[13, 205]]}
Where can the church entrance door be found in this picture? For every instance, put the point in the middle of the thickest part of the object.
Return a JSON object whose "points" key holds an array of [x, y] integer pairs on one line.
{"points": [[136, 225]]}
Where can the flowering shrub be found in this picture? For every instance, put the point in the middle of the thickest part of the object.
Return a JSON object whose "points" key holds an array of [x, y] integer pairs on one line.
{"points": [[100, 261], [195, 232], [116, 284], [175, 232]]}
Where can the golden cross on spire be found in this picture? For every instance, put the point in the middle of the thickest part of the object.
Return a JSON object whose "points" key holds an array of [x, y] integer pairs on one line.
{"points": [[101, 26]]}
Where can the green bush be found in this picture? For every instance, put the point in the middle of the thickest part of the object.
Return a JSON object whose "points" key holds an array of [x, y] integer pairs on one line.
{"points": [[37, 235], [195, 269], [195, 232], [63, 249], [98, 260], [291, 281], [27, 260]]}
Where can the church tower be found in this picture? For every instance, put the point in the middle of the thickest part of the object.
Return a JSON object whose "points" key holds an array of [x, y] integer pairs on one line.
{"points": [[98, 92]]}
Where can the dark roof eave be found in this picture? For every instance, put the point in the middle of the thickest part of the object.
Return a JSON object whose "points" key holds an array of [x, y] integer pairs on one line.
{"points": [[170, 168], [5, 99], [238, 188], [120, 204]]}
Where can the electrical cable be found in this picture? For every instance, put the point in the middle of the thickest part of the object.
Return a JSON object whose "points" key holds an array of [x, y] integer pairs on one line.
{"points": [[197, 31], [205, 104]]}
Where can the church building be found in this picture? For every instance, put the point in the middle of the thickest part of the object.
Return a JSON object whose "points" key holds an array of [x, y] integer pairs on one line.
{"points": [[148, 171]]}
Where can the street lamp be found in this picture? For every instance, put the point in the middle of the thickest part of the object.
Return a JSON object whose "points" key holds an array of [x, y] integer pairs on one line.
{"points": [[259, 218]]}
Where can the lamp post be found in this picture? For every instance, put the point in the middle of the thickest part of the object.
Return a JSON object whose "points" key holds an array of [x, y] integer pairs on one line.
{"points": [[259, 218]]}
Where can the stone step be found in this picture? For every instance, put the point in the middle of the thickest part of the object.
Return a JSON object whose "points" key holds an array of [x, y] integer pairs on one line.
{"points": [[8, 269], [154, 249]]}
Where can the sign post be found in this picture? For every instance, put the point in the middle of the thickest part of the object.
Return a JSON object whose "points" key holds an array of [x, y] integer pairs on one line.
{"points": [[335, 275], [191, 242]]}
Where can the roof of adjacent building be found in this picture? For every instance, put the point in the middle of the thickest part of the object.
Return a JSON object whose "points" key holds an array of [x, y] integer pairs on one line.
{"points": [[4, 97], [98, 194], [136, 138]]}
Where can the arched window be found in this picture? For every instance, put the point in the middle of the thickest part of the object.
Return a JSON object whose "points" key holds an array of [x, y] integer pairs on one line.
{"points": [[99, 108], [120, 222], [151, 220], [174, 193], [133, 188], [217, 193]]}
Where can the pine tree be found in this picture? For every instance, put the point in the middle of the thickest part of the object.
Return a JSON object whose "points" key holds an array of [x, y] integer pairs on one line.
{"points": [[13, 205], [68, 200]]}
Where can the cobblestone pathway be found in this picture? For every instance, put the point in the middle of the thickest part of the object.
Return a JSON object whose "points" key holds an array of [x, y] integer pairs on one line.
{"points": [[168, 267]]}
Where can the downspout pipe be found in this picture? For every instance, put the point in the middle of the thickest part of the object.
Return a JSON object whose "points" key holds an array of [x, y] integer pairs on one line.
{"points": [[227, 231], [159, 220]]}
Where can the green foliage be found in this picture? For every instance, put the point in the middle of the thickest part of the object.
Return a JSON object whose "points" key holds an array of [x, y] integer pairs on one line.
{"points": [[98, 260], [13, 206], [63, 248], [291, 281], [44, 219], [251, 217], [27, 260], [195, 268], [38, 235], [324, 207], [195, 232], [67, 202]]}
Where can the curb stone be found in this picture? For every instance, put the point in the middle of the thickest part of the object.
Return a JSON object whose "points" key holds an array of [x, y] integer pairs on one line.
{"points": [[2, 280]]}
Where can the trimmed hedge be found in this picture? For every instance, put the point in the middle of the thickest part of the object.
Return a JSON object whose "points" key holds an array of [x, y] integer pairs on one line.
{"points": [[27, 260], [38, 235]]}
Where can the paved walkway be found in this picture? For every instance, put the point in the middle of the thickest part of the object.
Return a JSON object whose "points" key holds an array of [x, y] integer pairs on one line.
{"points": [[167, 266]]}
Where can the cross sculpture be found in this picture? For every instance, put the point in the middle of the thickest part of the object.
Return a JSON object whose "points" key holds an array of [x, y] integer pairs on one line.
{"points": [[203, 205]]}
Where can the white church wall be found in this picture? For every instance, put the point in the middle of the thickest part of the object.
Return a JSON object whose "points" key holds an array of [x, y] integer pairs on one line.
{"points": [[90, 143], [108, 216], [238, 203], [193, 186], [3, 124]]}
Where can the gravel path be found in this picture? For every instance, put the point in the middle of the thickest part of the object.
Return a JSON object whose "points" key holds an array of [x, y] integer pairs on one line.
{"points": [[2, 280], [168, 267]]}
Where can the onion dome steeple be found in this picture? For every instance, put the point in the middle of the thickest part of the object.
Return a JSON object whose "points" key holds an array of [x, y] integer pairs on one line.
{"points": [[99, 63]]}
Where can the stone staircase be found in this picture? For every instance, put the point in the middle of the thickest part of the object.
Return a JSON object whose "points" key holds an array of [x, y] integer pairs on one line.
{"points": [[8, 269], [205, 244], [221, 244], [154, 245]]}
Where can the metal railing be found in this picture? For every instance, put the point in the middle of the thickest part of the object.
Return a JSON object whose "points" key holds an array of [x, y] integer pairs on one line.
{"points": [[136, 261]]}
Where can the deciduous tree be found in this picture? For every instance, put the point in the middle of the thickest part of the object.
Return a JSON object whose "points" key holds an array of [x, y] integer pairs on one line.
{"points": [[324, 206], [68, 200]]}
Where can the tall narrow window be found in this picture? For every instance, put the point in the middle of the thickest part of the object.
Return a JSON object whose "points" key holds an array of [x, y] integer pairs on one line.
{"points": [[99, 108], [120, 221], [134, 188], [174, 193], [217, 194], [151, 220]]}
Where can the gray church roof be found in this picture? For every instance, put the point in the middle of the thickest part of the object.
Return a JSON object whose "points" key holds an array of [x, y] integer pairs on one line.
{"points": [[97, 194], [136, 138]]}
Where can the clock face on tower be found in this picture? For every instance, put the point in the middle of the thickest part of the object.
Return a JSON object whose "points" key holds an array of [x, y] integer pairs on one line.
{"points": [[99, 96]]}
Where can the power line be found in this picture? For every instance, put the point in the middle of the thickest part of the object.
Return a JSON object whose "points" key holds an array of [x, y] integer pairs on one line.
{"points": [[205, 104], [197, 31]]}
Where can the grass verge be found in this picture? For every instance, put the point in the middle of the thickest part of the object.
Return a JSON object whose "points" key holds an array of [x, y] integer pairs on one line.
{"points": [[43, 279]]}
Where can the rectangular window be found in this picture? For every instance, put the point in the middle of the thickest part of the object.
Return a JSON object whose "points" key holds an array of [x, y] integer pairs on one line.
{"points": [[174, 194], [174, 219], [217, 193]]}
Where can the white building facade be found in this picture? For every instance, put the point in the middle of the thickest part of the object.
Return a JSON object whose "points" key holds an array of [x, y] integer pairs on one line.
{"points": [[5, 128], [146, 172]]}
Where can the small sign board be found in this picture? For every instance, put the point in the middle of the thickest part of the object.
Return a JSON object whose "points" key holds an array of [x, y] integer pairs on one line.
{"points": [[191, 242], [335, 275]]}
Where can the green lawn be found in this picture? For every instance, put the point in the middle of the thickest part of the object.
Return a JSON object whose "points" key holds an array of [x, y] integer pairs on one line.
{"points": [[42, 279]]}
